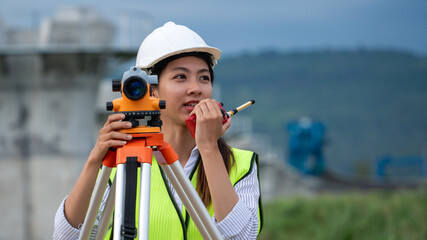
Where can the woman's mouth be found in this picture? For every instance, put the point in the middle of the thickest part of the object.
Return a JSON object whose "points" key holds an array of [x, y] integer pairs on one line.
{"points": [[190, 105]]}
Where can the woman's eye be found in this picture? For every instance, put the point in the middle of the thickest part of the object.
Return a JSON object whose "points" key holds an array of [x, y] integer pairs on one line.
{"points": [[205, 78], [180, 76]]}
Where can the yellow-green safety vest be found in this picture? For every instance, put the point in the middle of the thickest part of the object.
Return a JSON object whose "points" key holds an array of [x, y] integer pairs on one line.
{"points": [[164, 220]]}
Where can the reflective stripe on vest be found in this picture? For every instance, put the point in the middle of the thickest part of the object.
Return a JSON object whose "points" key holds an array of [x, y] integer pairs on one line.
{"points": [[164, 220]]}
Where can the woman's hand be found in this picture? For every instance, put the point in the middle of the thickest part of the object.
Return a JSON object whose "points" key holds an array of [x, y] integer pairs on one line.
{"points": [[209, 123], [110, 137]]}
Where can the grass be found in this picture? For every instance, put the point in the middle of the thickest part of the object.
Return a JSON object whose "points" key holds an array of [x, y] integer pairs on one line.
{"points": [[371, 216]]}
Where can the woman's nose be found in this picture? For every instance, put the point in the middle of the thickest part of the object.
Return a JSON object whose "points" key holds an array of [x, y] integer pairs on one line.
{"points": [[194, 88]]}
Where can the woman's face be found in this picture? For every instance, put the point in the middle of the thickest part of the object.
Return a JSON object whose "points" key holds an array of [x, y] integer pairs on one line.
{"points": [[183, 83]]}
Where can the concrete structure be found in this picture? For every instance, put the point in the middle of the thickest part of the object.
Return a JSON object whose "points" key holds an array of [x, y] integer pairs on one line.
{"points": [[3, 31], [48, 85]]}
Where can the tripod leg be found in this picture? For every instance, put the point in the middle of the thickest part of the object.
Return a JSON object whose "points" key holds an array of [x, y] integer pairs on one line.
{"points": [[94, 203], [119, 200], [144, 207], [189, 206], [106, 215], [192, 201]]}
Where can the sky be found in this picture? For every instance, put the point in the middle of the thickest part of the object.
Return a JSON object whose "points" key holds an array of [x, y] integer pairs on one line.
{"points": [[239, 26]]}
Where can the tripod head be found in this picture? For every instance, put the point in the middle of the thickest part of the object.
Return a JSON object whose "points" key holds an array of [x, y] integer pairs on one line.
{"points": [[136, 102]]}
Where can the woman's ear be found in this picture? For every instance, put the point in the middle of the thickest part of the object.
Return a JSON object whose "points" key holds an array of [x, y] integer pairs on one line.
{"points": [[154, 91]]}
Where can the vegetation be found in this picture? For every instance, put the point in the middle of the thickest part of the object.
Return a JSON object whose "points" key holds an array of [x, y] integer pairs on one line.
{"points": [[372, 216]]}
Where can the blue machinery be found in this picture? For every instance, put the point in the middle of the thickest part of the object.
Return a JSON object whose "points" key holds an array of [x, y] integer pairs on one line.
{"points": [[306, 139]]}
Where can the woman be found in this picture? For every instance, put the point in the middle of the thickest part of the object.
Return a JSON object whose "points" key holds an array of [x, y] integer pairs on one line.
{"points": [[226, 179]]}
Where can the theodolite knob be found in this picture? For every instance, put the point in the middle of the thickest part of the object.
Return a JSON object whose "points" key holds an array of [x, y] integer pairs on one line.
{"points": [[162, 104], [109, 106], [117, 85]]}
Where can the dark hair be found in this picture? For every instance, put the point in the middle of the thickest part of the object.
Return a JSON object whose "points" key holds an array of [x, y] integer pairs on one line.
{"points": [[158, 68], [227, 155], [202, 186]]}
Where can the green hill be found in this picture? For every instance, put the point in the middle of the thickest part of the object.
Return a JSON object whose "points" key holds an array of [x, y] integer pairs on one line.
{"points": [[372, 102]]}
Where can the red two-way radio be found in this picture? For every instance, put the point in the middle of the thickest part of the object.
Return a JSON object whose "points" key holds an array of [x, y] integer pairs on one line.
{"points": [[191, 121]]}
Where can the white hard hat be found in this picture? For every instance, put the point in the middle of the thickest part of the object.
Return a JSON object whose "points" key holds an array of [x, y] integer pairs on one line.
{"points": [[168, 40]]}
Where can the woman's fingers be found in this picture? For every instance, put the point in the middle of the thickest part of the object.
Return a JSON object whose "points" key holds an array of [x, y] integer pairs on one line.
{"points": [[109, 135], [209, 109], [213, 107], [117, 136], [114, 117], [209, 122], [114, 143], [114, 126]]}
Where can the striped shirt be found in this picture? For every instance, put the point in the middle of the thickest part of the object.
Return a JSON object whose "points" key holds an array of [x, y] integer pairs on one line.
{"points": [[240, 223]]}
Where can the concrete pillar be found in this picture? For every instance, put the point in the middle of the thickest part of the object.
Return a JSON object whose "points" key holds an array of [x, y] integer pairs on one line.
{"points": [[47, 109]]}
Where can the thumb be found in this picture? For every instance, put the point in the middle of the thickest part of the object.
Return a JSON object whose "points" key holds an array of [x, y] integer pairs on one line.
{"points": [[226, 125]]}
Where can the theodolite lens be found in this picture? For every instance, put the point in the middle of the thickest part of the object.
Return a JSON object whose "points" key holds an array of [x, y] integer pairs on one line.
{"points": [[135, 88]]}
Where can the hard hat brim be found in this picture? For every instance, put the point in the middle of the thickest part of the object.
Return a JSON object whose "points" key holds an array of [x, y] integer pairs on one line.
{"points": [[215, 52]]}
